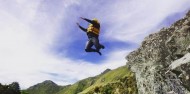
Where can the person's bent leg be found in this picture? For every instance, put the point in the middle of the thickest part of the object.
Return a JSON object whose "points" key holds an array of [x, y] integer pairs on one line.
{"points": [[102, 46], [88, 47], [90, 50], [97, 45]]}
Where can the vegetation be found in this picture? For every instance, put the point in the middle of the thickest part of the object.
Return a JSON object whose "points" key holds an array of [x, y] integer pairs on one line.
{"points": [[118, 81], [13, 88], [46, 87], [79, 86]]}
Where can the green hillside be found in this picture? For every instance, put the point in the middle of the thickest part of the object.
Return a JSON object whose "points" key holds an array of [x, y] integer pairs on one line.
{"points": [[46, 87], [120, 80], [78, 87], [109, 82], [81, 85]]}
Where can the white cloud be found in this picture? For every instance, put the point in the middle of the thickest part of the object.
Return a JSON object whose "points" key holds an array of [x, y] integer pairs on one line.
{"points": [[24, 55], [29, 28], [25, 34], [115, 59], [132, 20]]}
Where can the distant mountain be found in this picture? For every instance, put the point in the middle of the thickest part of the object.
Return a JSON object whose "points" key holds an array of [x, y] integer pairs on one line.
{"points": [[46, 87], [107, 70]]}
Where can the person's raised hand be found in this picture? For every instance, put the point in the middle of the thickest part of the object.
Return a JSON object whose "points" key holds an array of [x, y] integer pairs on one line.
{"points": [[81, 17]]}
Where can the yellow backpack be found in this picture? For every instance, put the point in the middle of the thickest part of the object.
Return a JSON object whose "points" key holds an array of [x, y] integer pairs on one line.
{"points": [[93, 29]]}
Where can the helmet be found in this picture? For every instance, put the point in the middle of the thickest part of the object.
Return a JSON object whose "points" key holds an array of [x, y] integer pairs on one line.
{"points": [[96, 20]]}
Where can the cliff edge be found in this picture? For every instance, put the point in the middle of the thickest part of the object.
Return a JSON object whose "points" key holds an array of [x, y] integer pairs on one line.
{"points": [[162, 62]]}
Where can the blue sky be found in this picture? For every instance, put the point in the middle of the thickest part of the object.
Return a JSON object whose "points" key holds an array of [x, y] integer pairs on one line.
{"points": [[39, 39]]}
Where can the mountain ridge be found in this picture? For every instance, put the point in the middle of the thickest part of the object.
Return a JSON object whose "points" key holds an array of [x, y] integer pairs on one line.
{"points": [[45, 87], [106, 80]]}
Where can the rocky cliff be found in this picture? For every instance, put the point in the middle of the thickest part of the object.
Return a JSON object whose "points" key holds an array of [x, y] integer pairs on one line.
{"points": [[162, 62]]}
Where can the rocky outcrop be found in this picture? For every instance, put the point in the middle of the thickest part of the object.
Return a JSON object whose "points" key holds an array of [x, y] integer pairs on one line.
{"points": [[162, 62]]}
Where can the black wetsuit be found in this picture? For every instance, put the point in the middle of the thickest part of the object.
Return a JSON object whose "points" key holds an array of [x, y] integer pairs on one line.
{"points": [[92, 38]]}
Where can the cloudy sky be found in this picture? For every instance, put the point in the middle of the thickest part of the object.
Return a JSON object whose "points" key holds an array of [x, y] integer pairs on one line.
{"points": [[39, 39]]}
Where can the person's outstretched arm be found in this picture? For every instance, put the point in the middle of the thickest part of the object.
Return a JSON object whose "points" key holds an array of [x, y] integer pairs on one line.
{"points": [[82, 28], [90, 21]]}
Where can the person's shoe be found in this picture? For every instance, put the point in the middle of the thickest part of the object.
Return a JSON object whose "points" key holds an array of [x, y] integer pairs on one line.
{"points": [[99, 52]]}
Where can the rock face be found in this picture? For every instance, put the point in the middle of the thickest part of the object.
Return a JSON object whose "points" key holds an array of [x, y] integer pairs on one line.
{"points": [[162, 62]]}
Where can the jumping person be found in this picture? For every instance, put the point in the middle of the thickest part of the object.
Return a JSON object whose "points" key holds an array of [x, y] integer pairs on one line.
{"points": [[92, 32]]}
